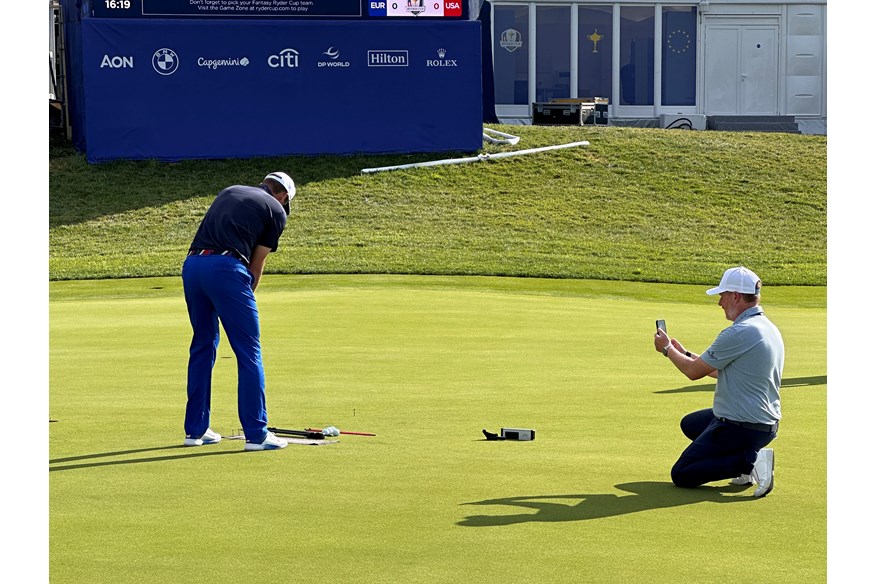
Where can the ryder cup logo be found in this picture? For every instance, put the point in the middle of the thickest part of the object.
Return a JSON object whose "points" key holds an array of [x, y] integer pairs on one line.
{"points": [[415, 7], [511, 40], [165, 62]]}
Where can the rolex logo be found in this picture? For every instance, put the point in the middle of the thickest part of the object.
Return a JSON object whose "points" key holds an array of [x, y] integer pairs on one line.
{"points": [[441, 61]]}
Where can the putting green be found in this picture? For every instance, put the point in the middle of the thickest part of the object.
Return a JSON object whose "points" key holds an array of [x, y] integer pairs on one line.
{"points": [[426, 363]]}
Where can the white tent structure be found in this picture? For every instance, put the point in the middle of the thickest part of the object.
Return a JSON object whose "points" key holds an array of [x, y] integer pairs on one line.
{"points": [[729, 61]]}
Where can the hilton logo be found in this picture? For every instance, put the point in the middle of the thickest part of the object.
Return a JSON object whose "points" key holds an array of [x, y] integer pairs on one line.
{"points": [[395, 58], [441, 61]]}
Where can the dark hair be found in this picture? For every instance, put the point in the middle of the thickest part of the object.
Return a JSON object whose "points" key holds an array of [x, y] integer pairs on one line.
{"points": [[274, 186], [753, 297]]}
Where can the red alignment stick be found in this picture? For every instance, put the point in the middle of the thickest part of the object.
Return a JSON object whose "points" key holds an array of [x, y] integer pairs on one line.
{"points": [[342, 432]]}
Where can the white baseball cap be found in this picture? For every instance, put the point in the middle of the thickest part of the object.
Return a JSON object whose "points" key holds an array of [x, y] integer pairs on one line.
{"points": [[738, 279], [286, 181]]}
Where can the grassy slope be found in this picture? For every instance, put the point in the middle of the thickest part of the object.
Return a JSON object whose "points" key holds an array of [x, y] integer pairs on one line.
{"points": [[637, 204]]}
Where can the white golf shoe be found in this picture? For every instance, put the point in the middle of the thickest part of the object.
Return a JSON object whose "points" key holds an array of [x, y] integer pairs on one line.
{"points": [[742, 480], [763, 472], [271, 442], [209, 437]]}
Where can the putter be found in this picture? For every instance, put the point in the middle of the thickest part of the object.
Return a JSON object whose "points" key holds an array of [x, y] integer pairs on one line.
{"points": [[491, 436]]}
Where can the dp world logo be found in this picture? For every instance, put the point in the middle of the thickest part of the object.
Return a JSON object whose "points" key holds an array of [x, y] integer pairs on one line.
{"points": [[333, 54], [165, 62]]}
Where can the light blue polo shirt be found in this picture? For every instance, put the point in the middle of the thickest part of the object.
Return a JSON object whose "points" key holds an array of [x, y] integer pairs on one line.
{"points": [[749, 356]]}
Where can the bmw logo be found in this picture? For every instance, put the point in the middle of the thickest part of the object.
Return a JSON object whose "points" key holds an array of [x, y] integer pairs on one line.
{"points": [[165, 61]]}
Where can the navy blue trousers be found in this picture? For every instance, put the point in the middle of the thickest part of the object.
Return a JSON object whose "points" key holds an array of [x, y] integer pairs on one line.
{"points": [[219, 288], [719, 451]]}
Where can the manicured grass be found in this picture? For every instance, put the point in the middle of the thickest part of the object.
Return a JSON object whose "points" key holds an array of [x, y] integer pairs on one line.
{"points": [[636, 205], [426, 363]]}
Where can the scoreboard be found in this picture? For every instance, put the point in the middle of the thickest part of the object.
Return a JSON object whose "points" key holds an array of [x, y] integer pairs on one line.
{"points": [[319, 9], [414, 8]]}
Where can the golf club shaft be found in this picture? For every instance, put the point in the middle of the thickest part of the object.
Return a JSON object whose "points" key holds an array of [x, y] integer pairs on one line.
{"points": [[343, 432]]}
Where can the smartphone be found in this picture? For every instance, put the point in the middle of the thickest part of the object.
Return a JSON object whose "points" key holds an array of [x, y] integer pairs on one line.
{"points": [[661, 324]]}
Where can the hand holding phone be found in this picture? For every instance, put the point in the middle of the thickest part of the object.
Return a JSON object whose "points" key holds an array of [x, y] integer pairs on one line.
{"points": [[661, 324]]}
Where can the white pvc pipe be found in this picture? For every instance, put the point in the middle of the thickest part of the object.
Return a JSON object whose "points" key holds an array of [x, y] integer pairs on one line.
{"points": [[474, 158], [509, 139]]}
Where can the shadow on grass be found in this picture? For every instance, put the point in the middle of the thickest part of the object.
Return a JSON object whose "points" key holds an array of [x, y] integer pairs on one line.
{"points": [[88, 192], [646, 496], [786, 383], [189, 454]]}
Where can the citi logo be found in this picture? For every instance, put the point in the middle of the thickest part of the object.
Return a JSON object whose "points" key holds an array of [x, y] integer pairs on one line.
{"points": [[287, 58], [394, 58], [441, 61], [117, 62]]}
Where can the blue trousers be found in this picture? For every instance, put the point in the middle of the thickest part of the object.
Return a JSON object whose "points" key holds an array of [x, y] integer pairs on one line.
{"points": [[219, 288], [720, 450]]}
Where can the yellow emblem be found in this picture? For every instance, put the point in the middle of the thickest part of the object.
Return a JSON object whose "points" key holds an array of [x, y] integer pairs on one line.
{"points": [[595, 37]]}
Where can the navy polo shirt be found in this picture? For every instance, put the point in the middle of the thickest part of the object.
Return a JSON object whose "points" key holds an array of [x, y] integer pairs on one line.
{"points": [[240, 218]]}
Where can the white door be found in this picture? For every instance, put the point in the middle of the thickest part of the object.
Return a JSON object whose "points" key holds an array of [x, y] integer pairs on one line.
{"points": [[741, 69]]}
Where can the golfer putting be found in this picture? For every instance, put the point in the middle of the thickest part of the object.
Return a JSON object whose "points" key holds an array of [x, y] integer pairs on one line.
{"points": [[220, 274], [747, 358]]}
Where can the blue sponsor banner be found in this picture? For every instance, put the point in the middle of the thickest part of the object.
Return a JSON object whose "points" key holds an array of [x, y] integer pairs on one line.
{"points": [[179, 89], [330, 9]]}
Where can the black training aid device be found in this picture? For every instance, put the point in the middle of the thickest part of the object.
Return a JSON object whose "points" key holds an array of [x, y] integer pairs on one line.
{"points": [[306, 434]]}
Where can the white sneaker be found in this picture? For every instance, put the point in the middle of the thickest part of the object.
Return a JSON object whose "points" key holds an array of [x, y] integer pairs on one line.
{"points": [[209, 437], [271, 442], [763, 471], [742, 480]]}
